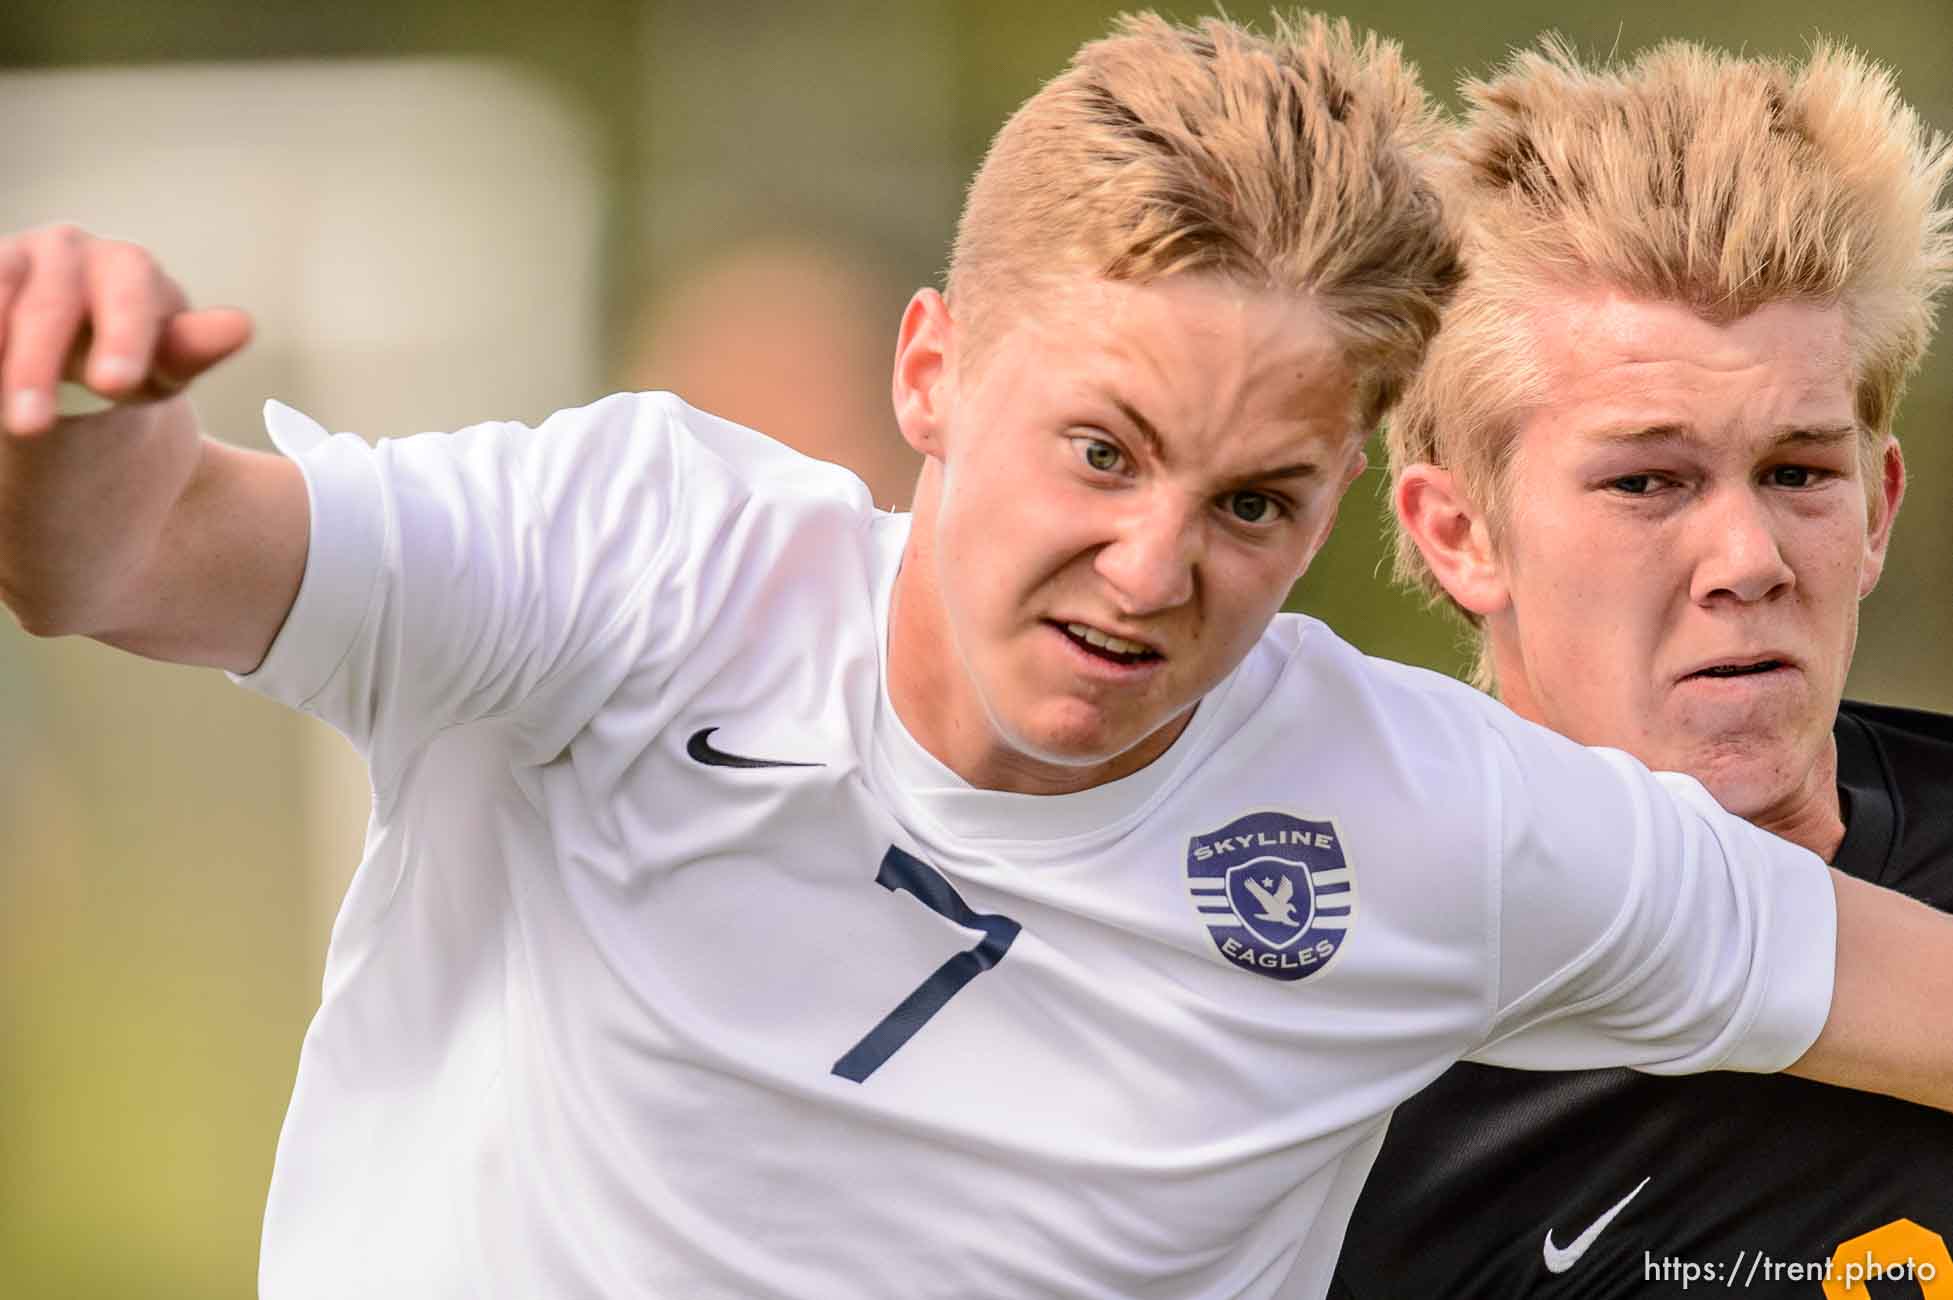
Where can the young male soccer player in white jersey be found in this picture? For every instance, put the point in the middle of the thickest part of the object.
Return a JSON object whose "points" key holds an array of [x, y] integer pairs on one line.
{"points": [[765, 896], [1665, 391]]}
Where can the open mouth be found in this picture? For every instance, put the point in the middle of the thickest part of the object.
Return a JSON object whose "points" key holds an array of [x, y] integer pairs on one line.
{"points": [[1103, 645], [1740, 669]]}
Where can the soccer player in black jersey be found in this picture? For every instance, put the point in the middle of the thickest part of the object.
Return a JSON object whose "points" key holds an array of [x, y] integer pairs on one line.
{"points": [[1651, 459]]}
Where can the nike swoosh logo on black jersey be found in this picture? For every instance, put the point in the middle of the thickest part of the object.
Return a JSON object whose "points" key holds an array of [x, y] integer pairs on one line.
{"points": [[700, 748], [1559, 1260]]}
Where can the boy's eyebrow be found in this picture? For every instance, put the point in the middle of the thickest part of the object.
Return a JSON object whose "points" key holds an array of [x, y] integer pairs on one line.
{"points": [[1299, 469], [1154, 443], [1820, 435], [1157, 445], [1637, 434], [1628, 435]]}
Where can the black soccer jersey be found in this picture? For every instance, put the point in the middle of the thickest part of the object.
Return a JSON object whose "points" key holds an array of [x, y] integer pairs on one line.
{"points": [[1505, 1183]]}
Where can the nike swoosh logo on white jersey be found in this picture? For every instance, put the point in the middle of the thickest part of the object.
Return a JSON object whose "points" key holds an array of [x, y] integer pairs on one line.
{"points": [[1559, 1260], [701, 748]]}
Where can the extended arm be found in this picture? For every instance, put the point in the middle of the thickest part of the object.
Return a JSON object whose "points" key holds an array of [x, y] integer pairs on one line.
{"points": [[128, 525], [1891, 1024]]}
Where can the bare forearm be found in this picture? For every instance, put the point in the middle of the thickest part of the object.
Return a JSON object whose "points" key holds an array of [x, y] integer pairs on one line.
{"points": [[83, 509], [128, 525], [226, 567], [1891, 1024]]}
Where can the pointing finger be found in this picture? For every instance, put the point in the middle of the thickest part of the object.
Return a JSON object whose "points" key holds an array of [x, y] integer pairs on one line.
{"points": [[43, 324], [191, 343], [128, 300], [13, 274]]}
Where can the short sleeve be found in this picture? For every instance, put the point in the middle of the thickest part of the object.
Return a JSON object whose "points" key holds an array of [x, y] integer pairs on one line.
{"points": [[1641, 925], [457, 577]]}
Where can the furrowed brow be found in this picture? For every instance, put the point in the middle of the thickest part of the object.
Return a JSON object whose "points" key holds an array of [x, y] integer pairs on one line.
{"points": [[1154, 443], [1645, 435], [1300, 469], [1637, 435], [1823, 436]]}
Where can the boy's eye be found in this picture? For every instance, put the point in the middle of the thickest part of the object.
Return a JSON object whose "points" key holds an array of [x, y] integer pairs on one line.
{"points": [[1101, 455], [1792, 476], [1251, 507], [1633, 484]]}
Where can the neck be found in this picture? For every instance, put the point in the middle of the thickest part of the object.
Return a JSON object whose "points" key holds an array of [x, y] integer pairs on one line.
{"points": [[1811, 814]]}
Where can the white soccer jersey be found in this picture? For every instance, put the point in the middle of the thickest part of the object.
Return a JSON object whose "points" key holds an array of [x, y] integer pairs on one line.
{"points": [[677, 968]]}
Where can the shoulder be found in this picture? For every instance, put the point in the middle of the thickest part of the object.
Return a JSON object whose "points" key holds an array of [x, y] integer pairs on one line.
{"points": [[647, 483], [622, 487], [1896, 765], [1424, 717], [619, 442], [1906, 753], [761, 462], [1309, 648], [1923, 735], [1443, 735], [1386, 736]]}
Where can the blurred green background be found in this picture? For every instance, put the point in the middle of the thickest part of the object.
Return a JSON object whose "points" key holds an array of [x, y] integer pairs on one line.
{"points": [[162, 910]]}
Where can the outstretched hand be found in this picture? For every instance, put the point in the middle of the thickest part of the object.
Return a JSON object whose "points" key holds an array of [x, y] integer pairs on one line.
{"points": [[100, 313]]}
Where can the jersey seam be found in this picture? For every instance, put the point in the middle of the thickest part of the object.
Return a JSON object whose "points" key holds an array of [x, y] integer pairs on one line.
{"points": [[635, 595], [627, 606], [387, 536], [1494, 901], [1046, 849], [1890, 780], [1600, 944]]}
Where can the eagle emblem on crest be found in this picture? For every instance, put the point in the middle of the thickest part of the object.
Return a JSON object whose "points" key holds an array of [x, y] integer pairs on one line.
{"points": [[1275, 892]]}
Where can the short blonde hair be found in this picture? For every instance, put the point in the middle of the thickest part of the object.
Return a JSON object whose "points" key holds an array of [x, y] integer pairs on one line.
{"points": [[1295, 161], [1686, 175]]}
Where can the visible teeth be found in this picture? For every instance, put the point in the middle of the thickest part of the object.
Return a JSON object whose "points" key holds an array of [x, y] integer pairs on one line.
{"points": [[1117, 645], [1739, 670]]}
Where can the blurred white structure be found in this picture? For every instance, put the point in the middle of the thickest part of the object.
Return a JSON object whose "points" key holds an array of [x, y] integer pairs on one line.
{"points": [[418, 240]]}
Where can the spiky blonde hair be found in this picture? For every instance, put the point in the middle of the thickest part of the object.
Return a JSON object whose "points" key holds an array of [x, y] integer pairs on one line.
{"points": [[1295, 161], [1686, 175]]}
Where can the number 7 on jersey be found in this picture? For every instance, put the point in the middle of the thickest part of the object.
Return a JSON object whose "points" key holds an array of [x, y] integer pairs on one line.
{"points": [[903, 871]]}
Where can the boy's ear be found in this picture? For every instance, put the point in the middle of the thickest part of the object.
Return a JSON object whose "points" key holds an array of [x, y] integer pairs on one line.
{"points": [[1453, 536], [1885, 500], [923, 383]]}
